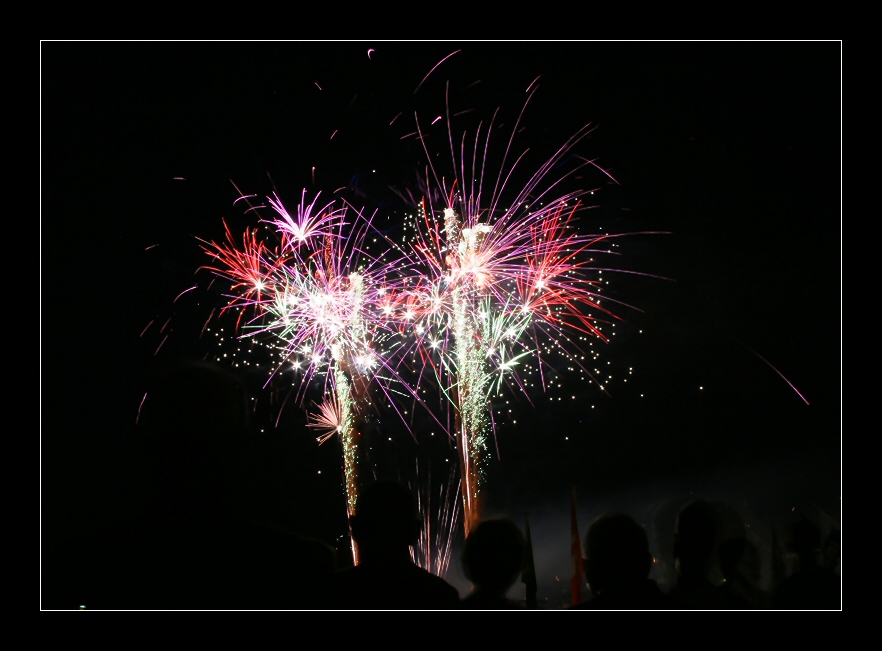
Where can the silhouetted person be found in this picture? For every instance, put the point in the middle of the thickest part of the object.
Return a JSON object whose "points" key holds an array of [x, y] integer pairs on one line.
{"points": [[385, 525], [831, 550], [492, 559], [695, 542], [190, 546], [741, 567], [810, 585], [617, 567]]}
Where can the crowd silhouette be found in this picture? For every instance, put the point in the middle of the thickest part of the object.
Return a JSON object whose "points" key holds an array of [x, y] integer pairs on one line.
{"points": [[189, 544], [812, 582]]}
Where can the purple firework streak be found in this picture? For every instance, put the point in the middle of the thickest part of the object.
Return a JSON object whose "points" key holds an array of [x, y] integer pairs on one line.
{"points": [[501, 275]]}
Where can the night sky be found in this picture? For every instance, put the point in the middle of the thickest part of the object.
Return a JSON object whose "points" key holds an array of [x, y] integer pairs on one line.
{"points": [[728, 152]]}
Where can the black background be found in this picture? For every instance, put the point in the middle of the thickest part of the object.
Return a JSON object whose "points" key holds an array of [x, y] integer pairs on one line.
{"points": [[733, 149]]}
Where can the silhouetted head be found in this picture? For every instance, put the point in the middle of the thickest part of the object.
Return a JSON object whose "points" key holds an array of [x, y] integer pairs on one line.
{"points": [[695, 538], [493, 555], [804, 540], [386, 518], [831, 550], [803, 536], [616, 553]]}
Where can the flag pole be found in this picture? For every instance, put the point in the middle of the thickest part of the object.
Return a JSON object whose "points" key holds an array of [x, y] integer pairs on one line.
{"points": [[528, 574], [578, 578]]}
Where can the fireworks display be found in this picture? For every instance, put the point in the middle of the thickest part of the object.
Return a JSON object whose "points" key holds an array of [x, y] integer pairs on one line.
{"points": [[494, 273], [503, 273], [319, 299], [425, 266]]}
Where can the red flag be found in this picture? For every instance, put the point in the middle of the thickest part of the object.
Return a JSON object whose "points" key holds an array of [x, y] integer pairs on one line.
{"points": [[578, 579]]}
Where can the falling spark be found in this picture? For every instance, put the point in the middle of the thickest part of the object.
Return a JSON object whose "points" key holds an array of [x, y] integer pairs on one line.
{"points": [[776, 371]]}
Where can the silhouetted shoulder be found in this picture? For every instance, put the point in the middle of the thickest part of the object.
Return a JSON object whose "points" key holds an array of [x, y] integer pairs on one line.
{"points": [[404, 586], [482, 601], [648, 596]]}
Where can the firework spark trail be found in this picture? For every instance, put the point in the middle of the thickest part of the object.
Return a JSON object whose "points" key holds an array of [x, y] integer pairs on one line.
{"points": [[435, 547], [309, 223], [309, 296], [250, 268], [433, 70], [333, 312], [498, 280], [780, 374]]}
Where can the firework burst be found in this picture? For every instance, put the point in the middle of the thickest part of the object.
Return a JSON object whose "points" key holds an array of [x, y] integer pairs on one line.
{"points": [[324, 304], [502, 273], [494, 274]]}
